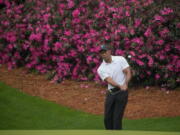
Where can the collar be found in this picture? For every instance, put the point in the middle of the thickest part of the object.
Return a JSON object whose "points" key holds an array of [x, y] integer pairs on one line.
{"points": [[113, 61]]}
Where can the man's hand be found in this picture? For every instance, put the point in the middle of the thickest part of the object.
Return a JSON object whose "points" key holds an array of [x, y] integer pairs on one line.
{"points": [[124, 87], [127, 72]]}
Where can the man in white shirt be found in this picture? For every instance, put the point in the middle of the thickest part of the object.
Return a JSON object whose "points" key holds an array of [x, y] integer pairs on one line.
{"points": [[114, 70]]}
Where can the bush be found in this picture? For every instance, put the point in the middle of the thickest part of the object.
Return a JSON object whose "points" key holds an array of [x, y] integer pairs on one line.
{"points": [[63, 36]]}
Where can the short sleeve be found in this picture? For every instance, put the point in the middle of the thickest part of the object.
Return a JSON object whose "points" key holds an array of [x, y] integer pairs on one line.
{"points": [[103, 75], [124, 63]]}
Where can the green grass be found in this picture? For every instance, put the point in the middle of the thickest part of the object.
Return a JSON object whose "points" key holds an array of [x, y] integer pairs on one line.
{"points": [[83, 132], [21, 111]]}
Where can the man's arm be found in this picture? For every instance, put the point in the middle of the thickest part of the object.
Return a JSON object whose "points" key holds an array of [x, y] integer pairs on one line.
{"points": [[127, 72], [112, 82]]}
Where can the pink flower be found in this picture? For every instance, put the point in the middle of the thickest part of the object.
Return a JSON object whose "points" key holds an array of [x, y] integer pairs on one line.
{"points": [[142, 56], [76, 20], [10, 66], [178, 64], [148, 32], [54, 79], [61, 11], [102, 92], [178, 80], [84, 79], [157, 76], [151, 61], [11, 37], [41, 68], [57, 46], [148, 2], [107, 37], [160, 42], [11, 46], [164, 32], [102, 4], [158, 18], [127, 13], [132, 53], [46, 17], [147, 87], [89, 41], [167, 48], [131, 31], [95, 49], [5, 23], [95, 60], [138, 41], [170, 67], [163, 89], [76, 13], [46, 42], [25, 46], [36, 37], [54, 58], [89, 59], [48, 29], [61, 8], [166, 11], [76, 36], [46, 48], [161, 57], [122, 27], [178, 25], [86, 86], [67, 33], [17, 55], [80, 48], [72, 53], [70, 4], [167, 92], [61, 58], [119, 52], [75, 71], [148, 72], [112, 9], [139, 62], [137, 22]]}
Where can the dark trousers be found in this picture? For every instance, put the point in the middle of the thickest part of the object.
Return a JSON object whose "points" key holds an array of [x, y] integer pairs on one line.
{"points": [[114, 109]]}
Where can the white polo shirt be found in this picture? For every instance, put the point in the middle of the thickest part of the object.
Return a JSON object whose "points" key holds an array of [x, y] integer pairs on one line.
{"points": [[113, 70]]}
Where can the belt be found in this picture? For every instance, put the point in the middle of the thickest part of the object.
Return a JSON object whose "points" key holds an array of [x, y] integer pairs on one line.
{"points": [[114, 90]]}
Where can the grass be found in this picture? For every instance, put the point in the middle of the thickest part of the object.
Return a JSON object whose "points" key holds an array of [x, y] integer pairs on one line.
{"points": [[83, 132], [19, 111]]}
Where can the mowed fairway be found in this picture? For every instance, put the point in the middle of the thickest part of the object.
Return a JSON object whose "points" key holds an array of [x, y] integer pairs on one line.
{"points": [[84, 132], [21, 114]]}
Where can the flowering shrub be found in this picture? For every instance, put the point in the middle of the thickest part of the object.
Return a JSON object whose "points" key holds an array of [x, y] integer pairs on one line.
{"points": [[63, 37]]}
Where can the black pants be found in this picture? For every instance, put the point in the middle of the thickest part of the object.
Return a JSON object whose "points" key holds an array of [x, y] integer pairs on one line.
{"points": [[114, 109]]}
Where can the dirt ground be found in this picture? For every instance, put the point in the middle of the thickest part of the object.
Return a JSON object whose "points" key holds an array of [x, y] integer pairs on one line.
{"points": [[89, 96]]}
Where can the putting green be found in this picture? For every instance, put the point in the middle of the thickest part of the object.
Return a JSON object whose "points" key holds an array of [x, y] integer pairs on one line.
{"points": [[83, 132]]}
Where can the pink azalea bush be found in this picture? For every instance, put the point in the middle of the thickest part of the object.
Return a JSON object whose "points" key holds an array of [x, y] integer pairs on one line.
{"points": [[63, 37]]}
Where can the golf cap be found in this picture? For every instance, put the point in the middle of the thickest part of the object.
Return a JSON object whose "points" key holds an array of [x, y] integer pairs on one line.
{"points": [[104, 47]]}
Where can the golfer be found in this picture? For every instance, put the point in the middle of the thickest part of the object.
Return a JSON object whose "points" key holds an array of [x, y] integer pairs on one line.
{"points": [[114, 70]]}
